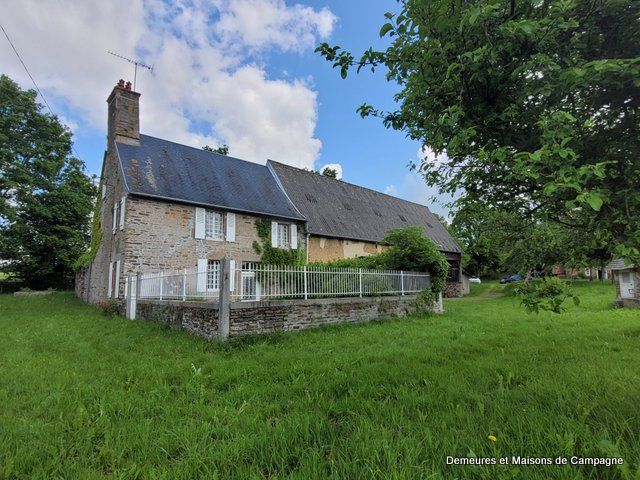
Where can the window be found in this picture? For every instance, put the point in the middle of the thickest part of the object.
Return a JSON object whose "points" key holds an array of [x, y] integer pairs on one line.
{"points": [[213, 225], [213, 275], [284, 237]]}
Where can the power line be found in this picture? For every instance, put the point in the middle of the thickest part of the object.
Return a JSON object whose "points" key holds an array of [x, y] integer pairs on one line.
{"points": [[32, 79]]}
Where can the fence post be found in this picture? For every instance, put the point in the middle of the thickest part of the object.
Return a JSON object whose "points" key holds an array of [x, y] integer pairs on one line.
{"points": [[184, 285], [306, 290], [402, 281], [138, 285], [360, 280], [161, 284], [129, 303], [223, 305]]}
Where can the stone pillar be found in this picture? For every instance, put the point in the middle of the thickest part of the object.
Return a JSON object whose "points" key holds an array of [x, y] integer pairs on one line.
{"points": [[224, 313]]}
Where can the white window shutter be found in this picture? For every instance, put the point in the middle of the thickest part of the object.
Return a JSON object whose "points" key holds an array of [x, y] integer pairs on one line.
{"points": [[232, 275], [122, 202], [294, 236], [200, 219], [110, 284], [274, 234], [104, 191], [201, 281], [117, 282], [115, 217], [231, 227]]}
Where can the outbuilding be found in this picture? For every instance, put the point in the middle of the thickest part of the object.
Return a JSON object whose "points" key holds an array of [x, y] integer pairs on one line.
{"points": [[626, 277]]}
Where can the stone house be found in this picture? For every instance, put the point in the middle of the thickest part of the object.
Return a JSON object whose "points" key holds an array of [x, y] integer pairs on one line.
{"points": [[166, 206]]}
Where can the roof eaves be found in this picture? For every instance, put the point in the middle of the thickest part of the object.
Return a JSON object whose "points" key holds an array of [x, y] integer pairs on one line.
{"points": [[221, 207], [369, 240]]}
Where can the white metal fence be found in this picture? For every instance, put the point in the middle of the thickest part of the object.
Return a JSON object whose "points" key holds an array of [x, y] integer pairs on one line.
{"points": [[253, 281]]}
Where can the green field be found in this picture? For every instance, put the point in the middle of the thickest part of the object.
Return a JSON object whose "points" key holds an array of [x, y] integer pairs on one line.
{"points": [[86, 396]]}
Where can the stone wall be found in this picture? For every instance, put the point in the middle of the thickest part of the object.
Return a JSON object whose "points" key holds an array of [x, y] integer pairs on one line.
{"points": [[285, 315], [201, 318]]}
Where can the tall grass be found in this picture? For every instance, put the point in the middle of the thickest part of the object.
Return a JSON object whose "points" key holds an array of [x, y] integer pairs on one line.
{"points": [[85, 396]]}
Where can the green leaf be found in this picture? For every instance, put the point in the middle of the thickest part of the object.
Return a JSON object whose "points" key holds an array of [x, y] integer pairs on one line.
{"points": [[595, 201], [385, 29]]}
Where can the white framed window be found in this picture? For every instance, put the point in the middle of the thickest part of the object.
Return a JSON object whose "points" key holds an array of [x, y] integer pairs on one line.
{"points": [[213, 228], [213, 275], [284, 235]]}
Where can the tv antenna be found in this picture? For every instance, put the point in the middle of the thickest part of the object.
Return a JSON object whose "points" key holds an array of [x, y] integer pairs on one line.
{"points": [[136, 63]]}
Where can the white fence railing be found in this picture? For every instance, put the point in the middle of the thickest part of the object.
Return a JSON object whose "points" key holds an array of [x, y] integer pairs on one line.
{"points": [[254, 281]]}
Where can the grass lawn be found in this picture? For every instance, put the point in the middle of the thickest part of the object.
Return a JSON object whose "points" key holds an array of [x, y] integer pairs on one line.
{"points": [[85, 396]]}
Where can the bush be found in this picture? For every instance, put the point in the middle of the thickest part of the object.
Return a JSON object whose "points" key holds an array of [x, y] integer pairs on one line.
{"points": [[547, 294], [108, 307], [408, 249]]}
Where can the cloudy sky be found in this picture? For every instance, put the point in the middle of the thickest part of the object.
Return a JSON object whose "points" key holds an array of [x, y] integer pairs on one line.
{"points": [[236, 72]]}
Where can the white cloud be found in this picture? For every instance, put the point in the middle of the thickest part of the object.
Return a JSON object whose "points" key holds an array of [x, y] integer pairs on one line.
{"points": [[333, 166], [206, 87], [260, 24]]}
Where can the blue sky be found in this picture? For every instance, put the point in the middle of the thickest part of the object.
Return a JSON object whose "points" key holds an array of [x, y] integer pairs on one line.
{"points": [[241, 72]]}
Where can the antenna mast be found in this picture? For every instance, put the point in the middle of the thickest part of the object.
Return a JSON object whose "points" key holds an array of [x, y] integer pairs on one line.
{"points": [[136, 63]]}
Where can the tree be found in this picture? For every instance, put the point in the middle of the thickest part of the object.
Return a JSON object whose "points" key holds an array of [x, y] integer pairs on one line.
{"points": [[45, 196], [330, 172], [536, 105], [480, 230], [223, 150]]}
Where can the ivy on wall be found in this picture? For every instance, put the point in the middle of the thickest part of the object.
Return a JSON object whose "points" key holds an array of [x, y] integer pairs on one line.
{"points": [[96, 234], [272, 255]]}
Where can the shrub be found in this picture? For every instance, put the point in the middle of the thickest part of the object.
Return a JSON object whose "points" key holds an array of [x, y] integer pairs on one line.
{"points": [[547, 294], [408, 249], [108, 307]]}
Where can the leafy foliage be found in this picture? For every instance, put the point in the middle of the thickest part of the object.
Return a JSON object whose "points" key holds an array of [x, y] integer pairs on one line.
{"points": [[408, 249], [222, 150], [548, 294], [272, 255], [46, 199], [330, 172], [535, 104]]}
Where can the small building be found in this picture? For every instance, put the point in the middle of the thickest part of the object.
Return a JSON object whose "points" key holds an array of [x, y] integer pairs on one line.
{"points": [[626, 278]]}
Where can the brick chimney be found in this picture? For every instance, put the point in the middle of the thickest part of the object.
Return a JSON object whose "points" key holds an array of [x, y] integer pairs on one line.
{"points": [[124, 115]]}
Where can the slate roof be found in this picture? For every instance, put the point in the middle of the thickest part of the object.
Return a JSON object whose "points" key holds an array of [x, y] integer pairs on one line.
{"points": [[162, 169], [334, 208], [619, 264]]}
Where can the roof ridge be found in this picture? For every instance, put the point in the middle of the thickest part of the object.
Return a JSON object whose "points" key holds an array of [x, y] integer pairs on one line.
{"points": [[352, 184]]}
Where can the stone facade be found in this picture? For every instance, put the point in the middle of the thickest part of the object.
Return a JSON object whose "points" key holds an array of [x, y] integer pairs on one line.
{"points": [[326, 249], [201, 318]]}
